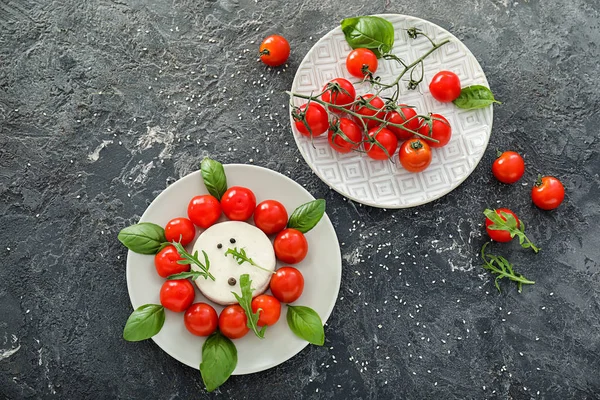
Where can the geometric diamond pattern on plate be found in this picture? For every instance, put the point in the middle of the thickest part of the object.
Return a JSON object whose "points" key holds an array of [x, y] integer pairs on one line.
{"points": [[323, 54], [454, 150], [435, 178], [360, 191], [474, 143], [354, 170], [322, 151], [456, 171], [384, 188], [452, 51], [307, 81], [409, 183], [331, 172], [378, 168]]}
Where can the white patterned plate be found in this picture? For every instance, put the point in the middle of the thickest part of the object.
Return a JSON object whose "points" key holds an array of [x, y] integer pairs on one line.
{"points": [[382, 183]]}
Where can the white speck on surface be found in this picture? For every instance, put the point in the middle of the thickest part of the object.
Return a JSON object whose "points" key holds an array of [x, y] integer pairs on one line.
{"points": [[95, 155]]}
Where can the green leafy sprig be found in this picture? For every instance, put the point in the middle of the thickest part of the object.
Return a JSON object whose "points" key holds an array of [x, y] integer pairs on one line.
{"points": [[510, 224], [193, 259], [245, 301], [241, 257], [501, 267]]}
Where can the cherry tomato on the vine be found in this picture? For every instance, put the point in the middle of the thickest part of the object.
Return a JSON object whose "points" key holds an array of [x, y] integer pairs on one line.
{"points": [[509, 167], [547, 193], [311, 120], [177, 295], [400, 116], [166, 264], [274, 50], [370, 105], [238, 203], [270, 216], [287, 284], [445, 86], [500, 235], [180, 230], [204, 210], [441, 131], [360, 62], [290, 246], [415, 155], [381, 137], [271, 309], [201, 319], [233, 322], [345, 135], [339, 91]]}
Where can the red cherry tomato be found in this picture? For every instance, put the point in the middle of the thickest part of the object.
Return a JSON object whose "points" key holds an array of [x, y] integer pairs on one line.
{"points": [[274, 50], [177, 295], [233, 322], [166, 264], [548, 193], [415, 155], [204, 210], [499, 235], [509, 167], [238, 203], [201, 319], [370, 106], [290, 246], [180, 230], [360, 62], [339, 91], [345, 136], [271, 309], [445, 86], [270, 216], [386, 139], [313, 117], [399, 116], [442, 132], [287, 284]]}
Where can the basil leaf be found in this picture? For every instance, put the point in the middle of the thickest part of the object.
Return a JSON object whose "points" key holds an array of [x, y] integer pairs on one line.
{"points": [[306, 324], [219, 359], [245, 301], [145, 322], [143, 238], [306, 216], [369, 32], [473, 97], [214, 177]]}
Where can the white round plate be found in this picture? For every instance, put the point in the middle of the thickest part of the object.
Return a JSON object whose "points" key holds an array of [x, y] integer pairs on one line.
{"points": [[383, 183], [321, 268]]}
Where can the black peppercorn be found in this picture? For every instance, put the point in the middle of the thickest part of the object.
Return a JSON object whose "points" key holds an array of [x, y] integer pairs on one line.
{"points": [[231, 281], [219, 246], [232, 240]]}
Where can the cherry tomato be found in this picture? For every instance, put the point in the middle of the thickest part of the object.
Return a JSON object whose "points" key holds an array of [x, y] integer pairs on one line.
{"points": [[238, 203], [386, 139], [415, 155], [166, 264], [177, 295], [509, 167], [233, 322], [271, 309], [353, 135], [270, 216], [340, 92], [201, 319], [499, 235], [370, 106], [548, 193], [399, 116], [180, 230], [204, 210], [287, 284], [445, 86], [274, 50], [442, 132], [314, 117], [290, 246], [360, 62]]}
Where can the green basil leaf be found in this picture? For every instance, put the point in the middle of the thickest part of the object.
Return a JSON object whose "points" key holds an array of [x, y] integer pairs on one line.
{"points": [[369, 32], [306, 216], [143, 238], [306, 324], [145, 322], [219, 359], [245, 301], [476, 96], [214, 177]]}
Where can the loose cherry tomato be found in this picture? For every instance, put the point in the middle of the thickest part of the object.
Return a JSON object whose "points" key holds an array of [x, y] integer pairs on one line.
{"points": [[204, 210], [177, 295], [415, 155], [201, 319], [311, 120], [166, 264], [270, 216], [548, 193], [271, 309], [500, 235], [274, 50], [445, 86], [509, 167], [345, 135], [233, 322], [370, 105], [386, 139], [290, 246], [180, 230], [287, 284], [400, 116], [360, 62], [442, 132], [339, 91], [238, 203]]}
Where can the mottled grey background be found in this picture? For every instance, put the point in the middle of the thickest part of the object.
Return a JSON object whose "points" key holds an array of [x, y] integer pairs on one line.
{"points": [[103, 103]]}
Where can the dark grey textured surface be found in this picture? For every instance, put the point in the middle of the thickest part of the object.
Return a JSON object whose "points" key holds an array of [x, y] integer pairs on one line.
{"points": [[103, 103]]}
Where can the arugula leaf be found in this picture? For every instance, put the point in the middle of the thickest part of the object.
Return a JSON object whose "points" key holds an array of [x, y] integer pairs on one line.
{"points": [[184, 275], [241, 257], [507, 222], [245, 301], [188, 258], [145, 322], [503, 269], [219, 359]]}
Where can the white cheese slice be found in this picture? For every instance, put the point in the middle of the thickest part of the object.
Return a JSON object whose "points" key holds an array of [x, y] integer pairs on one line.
{"points": [[223, 267]]}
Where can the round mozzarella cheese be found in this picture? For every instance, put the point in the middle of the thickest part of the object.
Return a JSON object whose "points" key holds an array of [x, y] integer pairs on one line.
{"points": [[215, 241]]}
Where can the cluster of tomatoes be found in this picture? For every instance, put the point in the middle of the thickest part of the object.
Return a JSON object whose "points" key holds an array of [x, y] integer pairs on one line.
{"points": [[238, 204]]}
